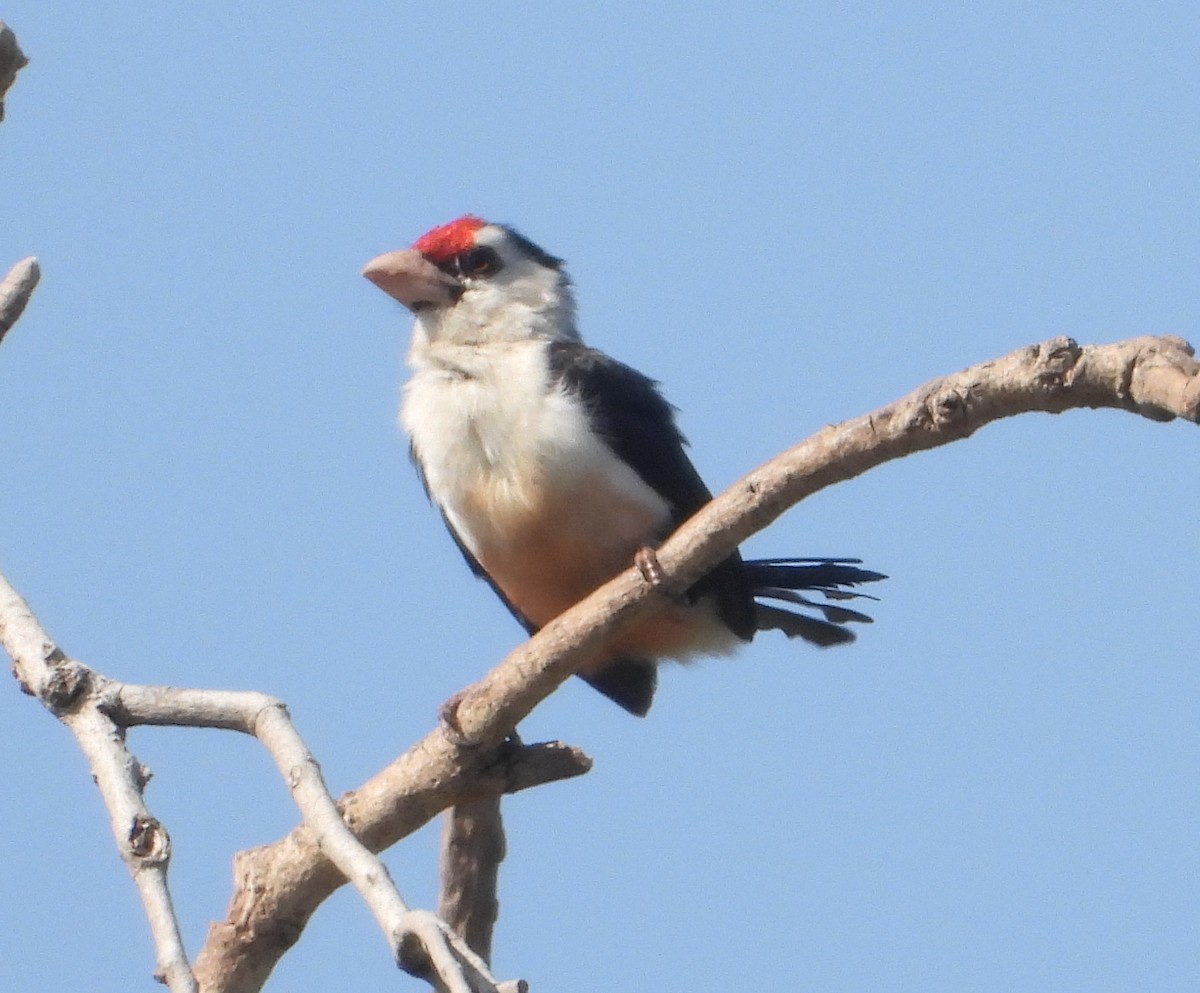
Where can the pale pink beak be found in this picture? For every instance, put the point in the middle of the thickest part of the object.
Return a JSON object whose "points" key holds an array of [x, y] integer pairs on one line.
{"points": [[412, 279]]}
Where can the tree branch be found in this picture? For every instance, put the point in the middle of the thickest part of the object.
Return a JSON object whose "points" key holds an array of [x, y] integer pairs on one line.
{"points": [[72, 693], [278, 886], [15, 290], [12, 61], [98, 711], [267, 719], [473, 847]]}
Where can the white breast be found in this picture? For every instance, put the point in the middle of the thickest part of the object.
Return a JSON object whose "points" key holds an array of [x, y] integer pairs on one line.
{"points": [[496, 441]]}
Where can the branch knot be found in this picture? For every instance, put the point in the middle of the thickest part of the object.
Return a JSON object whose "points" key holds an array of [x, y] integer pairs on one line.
{"points": [[149, 842], [946, 409], [65, 684], [1058, 359]]}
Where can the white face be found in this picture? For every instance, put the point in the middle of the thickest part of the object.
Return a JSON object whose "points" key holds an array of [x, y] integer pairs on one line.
{"points": [[514, 297]]}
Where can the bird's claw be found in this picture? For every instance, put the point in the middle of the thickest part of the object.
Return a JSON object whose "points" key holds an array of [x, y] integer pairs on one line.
{"points": [[448, 719], [646, 559]]}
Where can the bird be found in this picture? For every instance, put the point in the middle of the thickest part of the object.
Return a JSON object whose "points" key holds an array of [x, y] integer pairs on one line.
{"points": [[555, 466]]}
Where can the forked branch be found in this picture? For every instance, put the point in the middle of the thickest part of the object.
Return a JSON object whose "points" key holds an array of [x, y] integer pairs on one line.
{"points": [[98, 711]]}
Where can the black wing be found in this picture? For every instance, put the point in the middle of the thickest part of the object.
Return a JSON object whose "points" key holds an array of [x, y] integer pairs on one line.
{"points": [[626, 410]]}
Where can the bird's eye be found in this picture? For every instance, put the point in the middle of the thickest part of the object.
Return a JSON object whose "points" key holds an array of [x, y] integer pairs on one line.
{"points": [[480, 261]]}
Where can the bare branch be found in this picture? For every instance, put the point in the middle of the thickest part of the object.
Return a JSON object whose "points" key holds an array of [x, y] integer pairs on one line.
{"points": [[72, 693], [473, 847], [278, 886], [1155, 377], [15, 290], [12, 61], [416, 937]]}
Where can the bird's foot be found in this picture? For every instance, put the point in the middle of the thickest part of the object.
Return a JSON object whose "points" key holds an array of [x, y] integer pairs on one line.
{"points": [[646, 559], [508, 751], [448, 719]]}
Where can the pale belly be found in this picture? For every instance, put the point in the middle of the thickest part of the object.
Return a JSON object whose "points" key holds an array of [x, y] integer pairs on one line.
{"points": [[549, 554], [548, 557]]}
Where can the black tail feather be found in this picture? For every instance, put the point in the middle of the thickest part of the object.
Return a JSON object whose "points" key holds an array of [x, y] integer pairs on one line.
{"points": [[780, 579], [810, 574], [794, 625], [832, 612]]}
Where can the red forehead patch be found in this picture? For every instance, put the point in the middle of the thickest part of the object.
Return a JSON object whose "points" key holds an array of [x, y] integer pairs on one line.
{"points": [[442, 244]]}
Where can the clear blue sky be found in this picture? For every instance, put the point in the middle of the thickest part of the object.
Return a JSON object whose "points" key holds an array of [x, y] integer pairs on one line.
{"points": [[789, 216]]}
